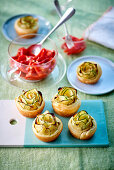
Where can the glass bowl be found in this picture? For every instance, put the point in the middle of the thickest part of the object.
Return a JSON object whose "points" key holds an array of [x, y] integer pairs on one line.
{"points": [[79, 45], [78, 40], [26, 66]]}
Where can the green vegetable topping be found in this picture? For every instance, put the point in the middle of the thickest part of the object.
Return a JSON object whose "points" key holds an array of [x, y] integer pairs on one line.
{"points": [[83, 120], [66, 95], [88, 70], [30, 100], [27, 22]]}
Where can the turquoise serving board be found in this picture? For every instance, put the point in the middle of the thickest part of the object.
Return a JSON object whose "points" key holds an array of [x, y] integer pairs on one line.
{"points": [[100, 139]]}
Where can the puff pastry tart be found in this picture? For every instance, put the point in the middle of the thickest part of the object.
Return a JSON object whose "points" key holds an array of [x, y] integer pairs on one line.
{"points": [[47, 127], [66, 102], [82, 125], [89, 72], [26, 25], [30, 103]]}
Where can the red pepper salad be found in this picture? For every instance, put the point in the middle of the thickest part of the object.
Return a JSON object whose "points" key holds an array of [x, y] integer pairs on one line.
{"points": [[33, 67], [79, 46]]}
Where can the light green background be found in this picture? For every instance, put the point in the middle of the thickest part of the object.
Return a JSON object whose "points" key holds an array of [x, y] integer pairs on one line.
{"points": [[59, 158]]}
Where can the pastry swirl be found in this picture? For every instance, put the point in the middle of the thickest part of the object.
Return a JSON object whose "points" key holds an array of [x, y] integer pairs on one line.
{"points": [[89, 72], [27, 22], [82, 125], [47, 127], [26, 25], [30, 103], [66, 102]]}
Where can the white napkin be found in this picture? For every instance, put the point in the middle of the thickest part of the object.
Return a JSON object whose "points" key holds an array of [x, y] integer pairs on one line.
{"points": [[102, 31]]}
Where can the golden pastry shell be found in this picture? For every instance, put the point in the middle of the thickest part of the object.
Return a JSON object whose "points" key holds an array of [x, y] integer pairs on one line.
{"points": [[82, 134], [89, 81], [23, 31], [66, 110], [48, 138], [29, 113]]}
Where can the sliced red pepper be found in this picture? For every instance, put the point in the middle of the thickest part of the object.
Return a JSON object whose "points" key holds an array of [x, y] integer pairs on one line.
{"points": [[21, 58], [79, 46], [31, 66], [42, 55], [15, 57], [22, 51], [25, 62], [31, 72]]}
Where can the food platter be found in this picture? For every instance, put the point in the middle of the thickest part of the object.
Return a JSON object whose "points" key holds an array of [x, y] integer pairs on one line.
{"points": [[54, 78], [21, 134], [10, 33], [104, 85]]}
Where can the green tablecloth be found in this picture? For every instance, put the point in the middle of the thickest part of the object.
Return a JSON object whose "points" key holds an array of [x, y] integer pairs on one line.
{"points": [[59, 158]]}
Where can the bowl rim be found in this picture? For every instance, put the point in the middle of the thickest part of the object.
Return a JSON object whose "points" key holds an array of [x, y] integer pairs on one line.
{"points": [[83, 37], [14, 42], [78, 41]]}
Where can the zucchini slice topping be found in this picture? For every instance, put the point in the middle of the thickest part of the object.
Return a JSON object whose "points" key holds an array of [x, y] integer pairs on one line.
{"points": [[46, 123], [27, 22], [82, 120], [66, 95], [30, 100], [88, 70]]}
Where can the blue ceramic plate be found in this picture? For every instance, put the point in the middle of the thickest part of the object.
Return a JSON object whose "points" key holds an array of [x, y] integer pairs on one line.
{"points": [[105, 83], [10, 33]]}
